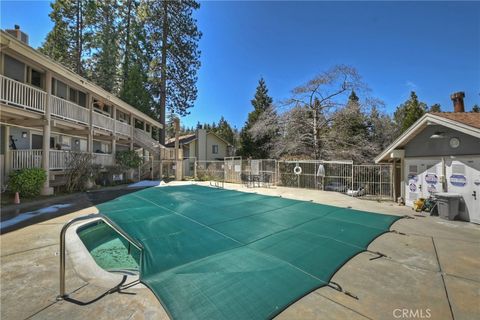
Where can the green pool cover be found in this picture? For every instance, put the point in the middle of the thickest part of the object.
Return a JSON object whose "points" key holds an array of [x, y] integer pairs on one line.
{"points": [[220, 254]]}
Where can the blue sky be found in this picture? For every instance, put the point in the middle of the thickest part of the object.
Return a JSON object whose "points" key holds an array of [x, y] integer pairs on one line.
{"points": [[430, 47]]}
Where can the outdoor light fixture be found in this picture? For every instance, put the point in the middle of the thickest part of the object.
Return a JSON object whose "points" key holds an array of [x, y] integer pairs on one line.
{"points": [[24, 134], [438, 135]]}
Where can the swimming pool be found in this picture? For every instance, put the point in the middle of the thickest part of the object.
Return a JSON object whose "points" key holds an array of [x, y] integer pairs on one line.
{"points": [[108, 248]]}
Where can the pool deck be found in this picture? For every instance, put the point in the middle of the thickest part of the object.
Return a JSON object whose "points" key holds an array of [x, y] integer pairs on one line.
{"points": [[433, 271]]}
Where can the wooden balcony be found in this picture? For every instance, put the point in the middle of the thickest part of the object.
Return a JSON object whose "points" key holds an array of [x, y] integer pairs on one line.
{"points": [[103, 122], [22, 95], [58, 159], [145, 139], [68, 110], [123, 128]]}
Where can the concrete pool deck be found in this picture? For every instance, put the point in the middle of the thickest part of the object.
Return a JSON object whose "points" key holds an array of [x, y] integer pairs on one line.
{"points": [[433, 271]]}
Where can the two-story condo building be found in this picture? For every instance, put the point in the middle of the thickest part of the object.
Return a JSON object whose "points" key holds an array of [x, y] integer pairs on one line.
{"points": [[48, 111]]}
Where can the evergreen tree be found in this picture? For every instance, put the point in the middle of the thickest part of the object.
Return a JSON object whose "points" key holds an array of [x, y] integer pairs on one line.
{"points": [[476, 108], [170, 125], [174, 37], [105, 58], [70, 39], [255, 147], [224, 130], [409, 112], [349, 132], [435, 108]]}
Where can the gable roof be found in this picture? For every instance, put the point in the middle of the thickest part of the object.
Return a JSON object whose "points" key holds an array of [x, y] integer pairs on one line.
{"points": [[465, 122], [185, 139], [188, 138], [469, 118]]}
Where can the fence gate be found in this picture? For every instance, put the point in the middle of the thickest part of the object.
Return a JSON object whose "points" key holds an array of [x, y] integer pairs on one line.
{"points": [[189, 167], [233, 169], [168, 169], [373, 181]]}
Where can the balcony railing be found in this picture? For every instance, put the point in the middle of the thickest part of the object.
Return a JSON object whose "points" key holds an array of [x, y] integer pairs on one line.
{"points": [[69, 110], [102, 122], [58, 159], [21, 159], [22, 95], [123, 128], [144, 138]]}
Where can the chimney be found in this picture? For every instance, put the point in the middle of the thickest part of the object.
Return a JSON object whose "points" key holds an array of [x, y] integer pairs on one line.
{"points": [[457, 99], [17, 33]]}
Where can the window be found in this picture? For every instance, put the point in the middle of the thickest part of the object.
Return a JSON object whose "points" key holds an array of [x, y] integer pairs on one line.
{"points": [[35, 78], [60, 89], [72, 95], [14, 69], [82, 99], [37, 141], [215, 149]]}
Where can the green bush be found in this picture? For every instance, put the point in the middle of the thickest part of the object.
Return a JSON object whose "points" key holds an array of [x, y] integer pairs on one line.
{"points": [[27, 182], [128, 159]]}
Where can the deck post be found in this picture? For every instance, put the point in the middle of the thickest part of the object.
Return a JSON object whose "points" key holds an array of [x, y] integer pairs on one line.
{"points": [[6, 160], [47, 190], [90, 124], [114, 134], [132, 132]]}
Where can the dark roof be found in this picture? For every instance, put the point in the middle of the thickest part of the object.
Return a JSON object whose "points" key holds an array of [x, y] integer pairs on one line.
{"points": [[181, 139], [469, 118]]}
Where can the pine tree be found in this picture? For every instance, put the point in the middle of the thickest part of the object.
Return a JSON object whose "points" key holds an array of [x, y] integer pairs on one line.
{"points": [[174, 38], [476, 108], [134, 57], [105, 58], [224, 130], [255, 147], [409, 112], [435, 108], [349, 132], [70, 39], [170, 125]]}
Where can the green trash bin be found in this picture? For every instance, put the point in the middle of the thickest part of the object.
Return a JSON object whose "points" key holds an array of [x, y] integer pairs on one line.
{"points": [[448, 204]]}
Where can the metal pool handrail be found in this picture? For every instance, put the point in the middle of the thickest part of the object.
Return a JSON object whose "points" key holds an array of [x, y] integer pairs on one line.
{"points": [[62, 294]]}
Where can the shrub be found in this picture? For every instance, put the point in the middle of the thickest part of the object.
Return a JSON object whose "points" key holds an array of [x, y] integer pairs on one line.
{"points": [[80, 171], [27, 182], [128, 159]]}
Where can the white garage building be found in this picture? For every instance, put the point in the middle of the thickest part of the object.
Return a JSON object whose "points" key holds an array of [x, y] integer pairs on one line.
{"points": [[439, 153]]}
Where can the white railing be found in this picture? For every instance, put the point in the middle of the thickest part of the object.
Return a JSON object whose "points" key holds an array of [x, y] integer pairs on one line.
{"points": [[59, 159], [22, 95], [103, 159], [144, 138], [21, 159], [69, 110], [123, 128], [103, 122]]}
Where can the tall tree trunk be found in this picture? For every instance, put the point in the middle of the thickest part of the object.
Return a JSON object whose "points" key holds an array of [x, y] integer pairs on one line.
{"points": [[79, 39], [127, 43], [163, 72]]}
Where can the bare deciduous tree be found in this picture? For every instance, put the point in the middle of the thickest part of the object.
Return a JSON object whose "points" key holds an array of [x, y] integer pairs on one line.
{"points": [[323, 95]]}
